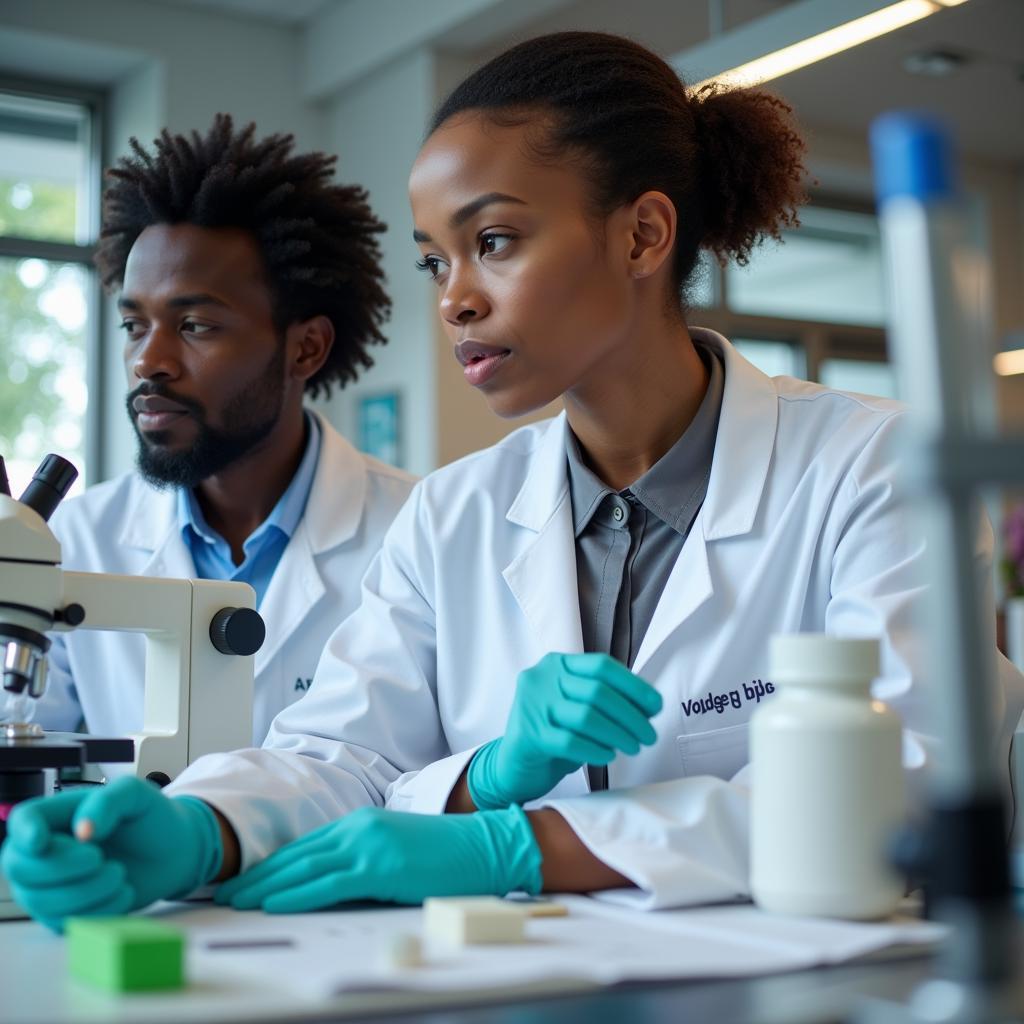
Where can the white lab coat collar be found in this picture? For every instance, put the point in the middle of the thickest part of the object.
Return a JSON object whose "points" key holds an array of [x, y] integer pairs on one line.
{"points": [[338, 494], [743, 452], [151, 516], [744, 446], [546, 485], [332, 516], [542, 577], [743, 449], [332, 513], [151, 524]]}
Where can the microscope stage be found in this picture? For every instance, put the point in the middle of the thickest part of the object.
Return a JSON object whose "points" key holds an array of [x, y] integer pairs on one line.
{"points": [[63, 750]]}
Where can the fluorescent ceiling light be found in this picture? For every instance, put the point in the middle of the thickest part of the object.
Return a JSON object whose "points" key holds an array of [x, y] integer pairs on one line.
{"points": [[824, 44], [1009, 363]]}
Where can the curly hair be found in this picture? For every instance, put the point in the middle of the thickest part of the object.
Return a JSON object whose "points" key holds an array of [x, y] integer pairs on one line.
{"points": [[317, 239], [730, 161]]}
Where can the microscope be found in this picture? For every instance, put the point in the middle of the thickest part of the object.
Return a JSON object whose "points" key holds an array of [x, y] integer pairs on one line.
{"points": [[201, 636]]}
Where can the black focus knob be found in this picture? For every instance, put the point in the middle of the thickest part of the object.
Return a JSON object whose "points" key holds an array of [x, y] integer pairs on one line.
{"points": [[73, 614], [237, 631]]}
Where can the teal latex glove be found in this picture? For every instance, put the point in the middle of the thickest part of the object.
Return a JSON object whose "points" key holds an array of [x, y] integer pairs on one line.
{"points": [[108, 850], [375, 854], [569, 710]]}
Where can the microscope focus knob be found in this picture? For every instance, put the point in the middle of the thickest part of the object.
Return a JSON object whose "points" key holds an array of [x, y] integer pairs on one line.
{"points": [[73, 614], [237, 631]]}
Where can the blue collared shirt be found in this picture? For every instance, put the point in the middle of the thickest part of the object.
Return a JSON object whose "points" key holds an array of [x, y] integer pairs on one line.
{"points": [[265, 545]]}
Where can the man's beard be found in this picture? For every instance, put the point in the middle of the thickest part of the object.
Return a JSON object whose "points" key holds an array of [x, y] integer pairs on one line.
{"points": [[248, 418]]}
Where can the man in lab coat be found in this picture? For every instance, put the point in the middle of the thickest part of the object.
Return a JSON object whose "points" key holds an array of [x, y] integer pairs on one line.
{"points": [[246, 280]]}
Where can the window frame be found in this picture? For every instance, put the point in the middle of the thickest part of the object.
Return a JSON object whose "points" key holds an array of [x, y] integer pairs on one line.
{"points": [[95, 101], [818, 339]]}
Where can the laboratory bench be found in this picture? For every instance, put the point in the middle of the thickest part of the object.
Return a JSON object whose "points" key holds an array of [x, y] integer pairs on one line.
{"points": [[35, 986], [819, 996]]}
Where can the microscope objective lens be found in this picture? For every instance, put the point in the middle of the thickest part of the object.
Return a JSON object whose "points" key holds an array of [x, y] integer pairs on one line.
{"points": [[16, 707]]}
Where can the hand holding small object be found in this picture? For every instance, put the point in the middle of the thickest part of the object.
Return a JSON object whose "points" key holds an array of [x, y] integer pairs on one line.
{"points": [[108, 850], [569, 710]]}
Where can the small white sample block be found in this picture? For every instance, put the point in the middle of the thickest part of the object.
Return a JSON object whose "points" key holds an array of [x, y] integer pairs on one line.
{"points": [[404, 950], [464, 921]]}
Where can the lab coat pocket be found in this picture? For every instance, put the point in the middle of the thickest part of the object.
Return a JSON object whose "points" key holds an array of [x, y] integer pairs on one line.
{"points": [[718, 752]]}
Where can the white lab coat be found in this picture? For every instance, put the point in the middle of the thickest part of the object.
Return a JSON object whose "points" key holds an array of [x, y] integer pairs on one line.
{"points": [[476, 580], [126, 526]]}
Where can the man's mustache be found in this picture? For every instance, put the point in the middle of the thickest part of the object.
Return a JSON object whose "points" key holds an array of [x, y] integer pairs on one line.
{"points": [[155, 390]]}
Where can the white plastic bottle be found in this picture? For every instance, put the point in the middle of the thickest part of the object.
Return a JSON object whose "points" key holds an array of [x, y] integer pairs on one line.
{"points": [[827, 783]]}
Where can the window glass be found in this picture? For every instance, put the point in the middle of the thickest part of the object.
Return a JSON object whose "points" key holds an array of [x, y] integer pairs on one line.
{"points": [[44, 319], [861, 375], [776, 358], [829, 269], [44, 169], [47, 214]]}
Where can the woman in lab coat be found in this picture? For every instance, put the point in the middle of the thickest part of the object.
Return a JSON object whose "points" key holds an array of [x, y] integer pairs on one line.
{"points": [[587, 605]]}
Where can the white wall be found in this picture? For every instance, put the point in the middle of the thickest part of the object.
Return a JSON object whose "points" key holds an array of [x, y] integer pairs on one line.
{"points": [[375, 126], [211, 62]]}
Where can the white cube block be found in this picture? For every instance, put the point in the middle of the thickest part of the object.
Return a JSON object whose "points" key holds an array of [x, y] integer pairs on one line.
{"points": [[403, 950], [466, 920]]}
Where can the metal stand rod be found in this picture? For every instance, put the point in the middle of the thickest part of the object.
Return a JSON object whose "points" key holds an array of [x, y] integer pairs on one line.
{"points": [[934, 278]]}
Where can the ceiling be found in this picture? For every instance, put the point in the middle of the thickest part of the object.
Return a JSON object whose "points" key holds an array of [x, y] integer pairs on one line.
{"points": [[284, 12], [666, 26], [983, 99]]}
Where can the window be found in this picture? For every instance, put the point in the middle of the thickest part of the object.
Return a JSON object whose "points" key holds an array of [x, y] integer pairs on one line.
{"points": [[871, 377], [829, 269], [49, 303], [776, 358], [812, 307]]}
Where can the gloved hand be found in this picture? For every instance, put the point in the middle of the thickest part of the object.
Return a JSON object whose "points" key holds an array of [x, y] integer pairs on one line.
{"points": [[376, 854], [108, 850], [569, 710]]}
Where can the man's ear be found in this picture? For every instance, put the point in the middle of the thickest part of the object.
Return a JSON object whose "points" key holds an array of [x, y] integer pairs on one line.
{"points": [[308, 345], [653, 226]]}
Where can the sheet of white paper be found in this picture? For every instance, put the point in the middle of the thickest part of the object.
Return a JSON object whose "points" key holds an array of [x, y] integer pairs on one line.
{"points": [[316, 956]]}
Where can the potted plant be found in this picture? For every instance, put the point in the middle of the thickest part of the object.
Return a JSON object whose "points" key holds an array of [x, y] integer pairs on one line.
{"points": [[1013, 577]]}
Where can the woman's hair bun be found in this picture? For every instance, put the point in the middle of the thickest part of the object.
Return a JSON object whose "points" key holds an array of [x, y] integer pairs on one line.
{"points": [[731, 162], [752, 172]]}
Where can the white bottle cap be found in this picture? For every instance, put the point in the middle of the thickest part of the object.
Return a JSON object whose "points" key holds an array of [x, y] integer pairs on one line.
{"points": [[818, 657]]}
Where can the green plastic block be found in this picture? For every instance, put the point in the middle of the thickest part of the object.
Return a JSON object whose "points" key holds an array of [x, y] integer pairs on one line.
{"points": [[125, 954]]}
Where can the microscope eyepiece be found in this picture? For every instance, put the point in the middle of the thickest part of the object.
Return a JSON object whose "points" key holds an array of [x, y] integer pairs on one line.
{"points": [[50, 483]]}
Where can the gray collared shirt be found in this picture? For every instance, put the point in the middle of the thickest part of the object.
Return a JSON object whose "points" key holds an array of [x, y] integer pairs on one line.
{"points": [[627, 542]]}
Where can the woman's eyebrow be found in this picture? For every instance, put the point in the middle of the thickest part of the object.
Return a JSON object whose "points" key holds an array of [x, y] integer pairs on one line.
{"points": [[463, 213]]}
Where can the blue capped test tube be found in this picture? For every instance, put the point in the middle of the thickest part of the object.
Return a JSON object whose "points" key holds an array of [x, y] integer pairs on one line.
{"points": [[936, 276]]}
